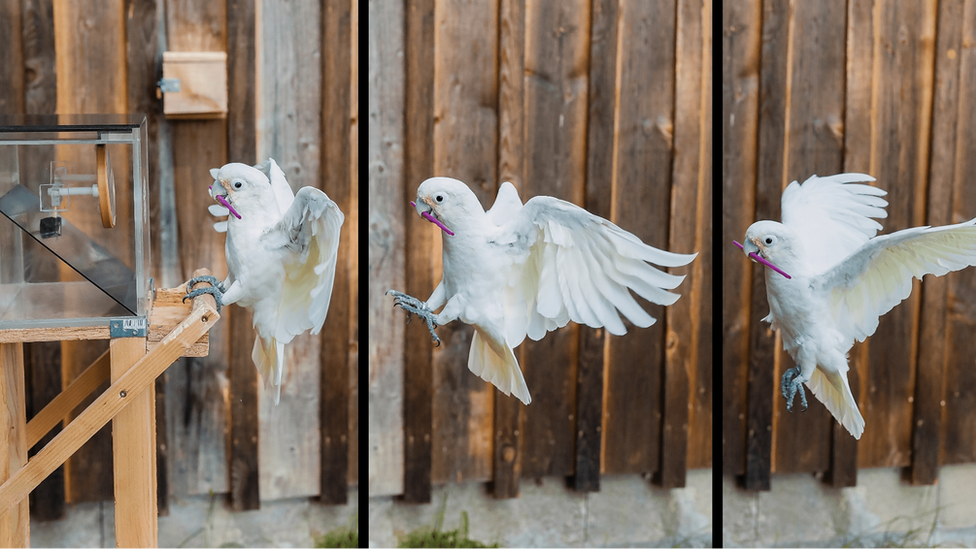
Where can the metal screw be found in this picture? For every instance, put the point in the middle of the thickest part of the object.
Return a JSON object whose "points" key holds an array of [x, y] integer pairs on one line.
{"points": [[122, 393]]}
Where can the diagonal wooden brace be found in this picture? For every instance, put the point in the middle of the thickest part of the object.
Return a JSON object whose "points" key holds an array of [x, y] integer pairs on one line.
{"points": [[202, 317], [68, 400]]}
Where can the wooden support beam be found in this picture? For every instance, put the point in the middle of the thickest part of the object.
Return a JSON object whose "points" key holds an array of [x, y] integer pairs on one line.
{"points": [[15, 515], [134, 453], [109, 404]]}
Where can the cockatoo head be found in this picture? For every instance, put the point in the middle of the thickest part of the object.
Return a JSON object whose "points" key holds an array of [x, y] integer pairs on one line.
{"points": [[774, 242], [240, 187], [448, 203]]}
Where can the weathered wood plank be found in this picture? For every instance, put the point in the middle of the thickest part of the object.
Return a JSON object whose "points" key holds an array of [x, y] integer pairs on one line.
{"points": [[91, 68], [42, 360], [142, 55], [942, 177], [814, 145], [507, 441], [769, 186], [556, 54], [700, 419], [684, 317], [242, 147], [958, 446], [742, 30], [12, 63], [334, 378], [42, 363], [600, 141], [353, 220], [197, 412], [641, 204], [418, 165], [290, 124], [857, 158], [904, 66], [386, 245], [465, 147]]}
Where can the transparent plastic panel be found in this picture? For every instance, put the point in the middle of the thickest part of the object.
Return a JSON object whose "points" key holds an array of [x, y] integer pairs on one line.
{"points": [[74, 249]]}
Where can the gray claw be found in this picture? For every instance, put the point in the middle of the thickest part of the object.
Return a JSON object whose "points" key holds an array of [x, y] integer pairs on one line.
{"points": [[790, 385], [216, 289], [417, 307]]}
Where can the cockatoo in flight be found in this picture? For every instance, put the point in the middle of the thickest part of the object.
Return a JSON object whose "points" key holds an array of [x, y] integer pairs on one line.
{"points": [[520, 270], [281, 257], [835, 278]]}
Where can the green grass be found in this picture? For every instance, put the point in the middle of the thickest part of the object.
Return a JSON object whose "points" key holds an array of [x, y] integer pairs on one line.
{"points": [[437, 537], [347, 536], [340, 537]]}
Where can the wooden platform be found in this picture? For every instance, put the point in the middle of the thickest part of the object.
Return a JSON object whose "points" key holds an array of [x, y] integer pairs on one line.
{"points": [[167, 311]]}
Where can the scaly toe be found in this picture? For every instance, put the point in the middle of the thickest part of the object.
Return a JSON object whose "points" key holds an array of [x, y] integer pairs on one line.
{"points": [[214, 291]]}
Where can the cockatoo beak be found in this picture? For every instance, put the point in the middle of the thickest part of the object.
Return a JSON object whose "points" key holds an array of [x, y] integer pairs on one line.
{"points": [[221, 197], [426, 210], [753, 250]]}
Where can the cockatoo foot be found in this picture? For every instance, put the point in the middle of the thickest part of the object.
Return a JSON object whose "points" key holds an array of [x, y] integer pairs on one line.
{"points": [[791, 384], [216, 289], [417, 307]]}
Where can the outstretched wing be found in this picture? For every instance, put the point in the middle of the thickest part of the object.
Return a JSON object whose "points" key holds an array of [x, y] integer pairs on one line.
{"points": [[832, 215], [579, 267], [282, 190], [307, 237], [878, 276]]}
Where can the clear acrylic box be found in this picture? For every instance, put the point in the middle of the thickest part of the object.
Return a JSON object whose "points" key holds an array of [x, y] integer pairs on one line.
{"points": [[74, 221]]}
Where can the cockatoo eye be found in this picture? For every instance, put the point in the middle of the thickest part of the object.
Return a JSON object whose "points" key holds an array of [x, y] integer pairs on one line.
{"points": [[238, 184], [769, 240], [439, 198]]}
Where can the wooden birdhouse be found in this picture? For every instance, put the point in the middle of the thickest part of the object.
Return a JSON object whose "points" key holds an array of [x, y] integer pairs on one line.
{"points": [[194, 85]]}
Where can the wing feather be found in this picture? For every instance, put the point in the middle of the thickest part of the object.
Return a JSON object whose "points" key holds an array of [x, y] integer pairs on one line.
{"points": [[284, 196], [832, 216], [308, 238], [580, 267], [878, 276]]}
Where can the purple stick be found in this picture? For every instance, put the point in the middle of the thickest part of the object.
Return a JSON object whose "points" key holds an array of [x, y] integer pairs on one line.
{"points": [[428, 217], [764, 261], [224, 203]]}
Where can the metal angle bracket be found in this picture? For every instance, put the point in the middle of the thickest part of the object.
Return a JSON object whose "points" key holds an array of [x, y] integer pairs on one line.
{"points": [[128, 327]]}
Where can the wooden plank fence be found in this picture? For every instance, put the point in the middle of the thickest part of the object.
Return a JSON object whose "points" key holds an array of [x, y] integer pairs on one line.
{"points": [[604, 103], [879, 87], [292, 70]]}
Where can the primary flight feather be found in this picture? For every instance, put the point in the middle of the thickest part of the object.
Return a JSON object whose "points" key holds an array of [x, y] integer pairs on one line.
{"points": [[281, 253], [842, 278], [525, 270]]}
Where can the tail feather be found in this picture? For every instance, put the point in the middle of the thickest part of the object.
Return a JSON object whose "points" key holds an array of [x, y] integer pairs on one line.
{"points": [[501, 370], [834, 391], [269, 357]]}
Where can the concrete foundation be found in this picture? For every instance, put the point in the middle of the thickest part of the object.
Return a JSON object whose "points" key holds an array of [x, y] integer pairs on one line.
{"points": [[881, 511], [202, 521], [627, 512]]}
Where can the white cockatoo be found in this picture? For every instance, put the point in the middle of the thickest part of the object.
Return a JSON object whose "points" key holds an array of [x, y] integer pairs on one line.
{"points": [[834, 278], [520, 270], [281, 257]]}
